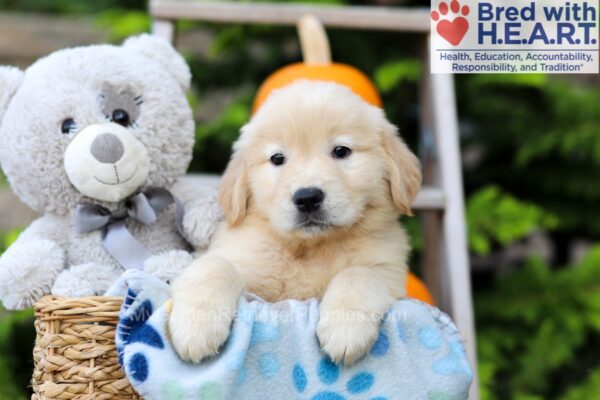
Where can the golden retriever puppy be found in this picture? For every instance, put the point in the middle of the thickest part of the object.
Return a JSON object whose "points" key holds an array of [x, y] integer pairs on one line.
{"points": [[312, 196]]}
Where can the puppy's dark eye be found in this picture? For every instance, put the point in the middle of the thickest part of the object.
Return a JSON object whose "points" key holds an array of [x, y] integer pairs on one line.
{"points": [[341, 152], [121, 117], [277, 159], [68, 126]]}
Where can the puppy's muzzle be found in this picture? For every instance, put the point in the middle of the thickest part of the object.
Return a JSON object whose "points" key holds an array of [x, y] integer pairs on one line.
{"points": [[309, 199]]}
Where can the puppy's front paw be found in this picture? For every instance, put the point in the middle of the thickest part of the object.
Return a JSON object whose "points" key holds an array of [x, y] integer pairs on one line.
{"points": [[196, 333], [346, 337]]}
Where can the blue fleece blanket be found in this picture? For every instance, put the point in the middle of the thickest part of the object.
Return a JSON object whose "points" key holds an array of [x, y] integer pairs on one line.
{"points": [[273, 353]]}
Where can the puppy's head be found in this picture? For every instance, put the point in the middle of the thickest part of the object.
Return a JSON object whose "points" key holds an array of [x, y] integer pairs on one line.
{"points": [[316, 158]]}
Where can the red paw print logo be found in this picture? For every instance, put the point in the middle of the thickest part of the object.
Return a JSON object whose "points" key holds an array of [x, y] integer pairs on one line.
{"points": [[453, 30]]}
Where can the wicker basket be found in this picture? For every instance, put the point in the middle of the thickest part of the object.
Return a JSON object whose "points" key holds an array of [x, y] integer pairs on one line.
{"points": [[75, 355]]}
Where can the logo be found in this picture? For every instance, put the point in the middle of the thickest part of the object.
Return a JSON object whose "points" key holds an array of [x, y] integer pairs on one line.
{"points": [[454, 26], [514, 36]]}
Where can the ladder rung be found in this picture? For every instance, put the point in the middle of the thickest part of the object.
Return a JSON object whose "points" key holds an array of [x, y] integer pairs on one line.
{"points": [[356, 17], [430, 198]]}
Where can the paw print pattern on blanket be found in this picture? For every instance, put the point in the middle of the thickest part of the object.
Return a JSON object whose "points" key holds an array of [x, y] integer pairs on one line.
{"points": [[273, 349], [454, 362], [268, 363], [140, 331], [329, 373], [381, 345], [134, 329]]}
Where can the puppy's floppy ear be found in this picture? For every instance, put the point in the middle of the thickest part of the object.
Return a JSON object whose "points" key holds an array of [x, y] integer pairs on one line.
{"points": [[161, 51], [10, 81], [403, 168], [234, 191]]}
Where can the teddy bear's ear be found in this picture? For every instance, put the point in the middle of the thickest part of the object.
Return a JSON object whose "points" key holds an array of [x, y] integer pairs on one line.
{"points": [[161, 51], [10, 80]]}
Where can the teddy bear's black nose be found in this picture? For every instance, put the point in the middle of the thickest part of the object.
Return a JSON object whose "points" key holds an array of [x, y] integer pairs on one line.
{"points": [[308, 199], [107, 148]]}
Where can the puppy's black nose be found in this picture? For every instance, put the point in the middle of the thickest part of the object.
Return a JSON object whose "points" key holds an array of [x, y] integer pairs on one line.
{"points": [[308, 199]]}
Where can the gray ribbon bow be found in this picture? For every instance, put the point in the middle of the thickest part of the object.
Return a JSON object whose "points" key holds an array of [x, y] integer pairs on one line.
{"points": [[116, 239]]}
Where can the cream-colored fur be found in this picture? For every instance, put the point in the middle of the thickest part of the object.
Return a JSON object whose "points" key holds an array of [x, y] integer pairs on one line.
{"points": [[355, 263]]}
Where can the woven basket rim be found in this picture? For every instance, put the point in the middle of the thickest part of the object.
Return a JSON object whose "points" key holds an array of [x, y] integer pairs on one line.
{"points": [[75, 355], [56, 307]]}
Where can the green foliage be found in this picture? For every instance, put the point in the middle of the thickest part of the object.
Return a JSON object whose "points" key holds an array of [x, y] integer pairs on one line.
{"points": [[214, 138], [575, 109], [70, 6], [8, 238], [497, 217], [124, 24], [539, 141], [537, 329], [393, 73], [589, 389], [509, 80], [414, 229], [16, 344]]}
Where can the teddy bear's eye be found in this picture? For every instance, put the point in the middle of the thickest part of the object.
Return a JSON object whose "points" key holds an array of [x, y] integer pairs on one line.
{"points": [[68, 126], [121, 117]]}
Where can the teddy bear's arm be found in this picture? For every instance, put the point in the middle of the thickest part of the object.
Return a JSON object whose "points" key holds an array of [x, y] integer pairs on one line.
{"points": [[30, 265], [202, 211]]}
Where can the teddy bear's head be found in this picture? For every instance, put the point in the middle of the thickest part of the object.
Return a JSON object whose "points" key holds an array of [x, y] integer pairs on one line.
{"points": [[95, 123]]}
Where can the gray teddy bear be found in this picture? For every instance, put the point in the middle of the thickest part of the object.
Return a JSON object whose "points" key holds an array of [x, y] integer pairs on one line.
{"points": [[97, 139]]}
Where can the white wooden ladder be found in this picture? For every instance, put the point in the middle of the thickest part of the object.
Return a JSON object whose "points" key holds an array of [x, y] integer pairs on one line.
{"points": [[446, 259]]}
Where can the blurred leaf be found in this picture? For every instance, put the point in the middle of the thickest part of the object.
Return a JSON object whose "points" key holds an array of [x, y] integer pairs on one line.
{"points": [[536, 138], [510, 80], [70, 6], [123, 24], [496, 217], [536, 326], [16, 342], [214, 137], [10, 237], [589, 389], [413, 226], [391, 74], [227, 38]]}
